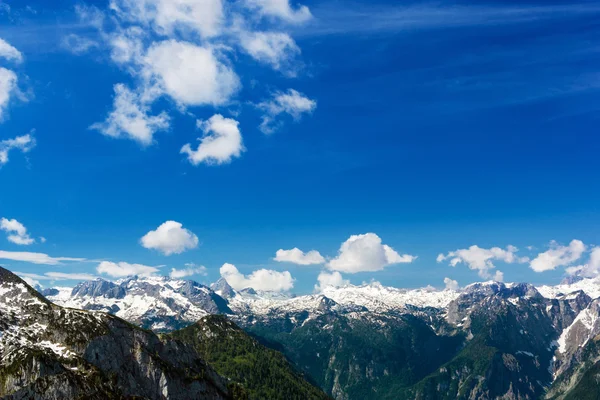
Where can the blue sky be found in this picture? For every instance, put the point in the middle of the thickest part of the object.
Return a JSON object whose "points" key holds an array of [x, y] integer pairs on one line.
{"points": [[434, 126]]}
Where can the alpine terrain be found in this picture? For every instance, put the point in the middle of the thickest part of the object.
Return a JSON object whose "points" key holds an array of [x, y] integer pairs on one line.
{"points": [[488, 340], [52, 352]]}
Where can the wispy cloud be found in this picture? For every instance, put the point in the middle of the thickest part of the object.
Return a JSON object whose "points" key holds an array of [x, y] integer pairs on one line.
{"points": [[335, 18], [35, 258], [57, 276]]}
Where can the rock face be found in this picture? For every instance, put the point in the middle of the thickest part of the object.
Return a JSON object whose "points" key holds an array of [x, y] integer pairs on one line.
{"points": [[580, 376], [156, 303], [50, 352]]}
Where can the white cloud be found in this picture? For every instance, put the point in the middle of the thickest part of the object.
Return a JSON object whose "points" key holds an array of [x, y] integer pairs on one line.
{"points": [[276, 49], [481, 259], [57, 276], [35, 258], [589, 270], [10, 52], [326, 279], [262, 279], [129, 118], [558, 256], [185, 51], [78, 44], [451, 284], [499, 276], [69, 276], [281, 9], [42, 239], [182, 273], [23, 143], [8, 80], [90, 15], [366, 253], [297, 256], [123, 269], [170, 238], [17, 233], [127, 46], [31, 282], [8, 85], [291, 102], [201, 17], [221, 142], [191, 75]]}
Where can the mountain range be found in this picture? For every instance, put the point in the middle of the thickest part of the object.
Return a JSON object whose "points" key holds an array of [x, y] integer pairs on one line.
{"points": [[49, 352], [488, 340]]}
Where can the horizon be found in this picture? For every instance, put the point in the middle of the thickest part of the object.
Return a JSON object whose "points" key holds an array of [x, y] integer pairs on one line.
{"points": [[31, 281], [301, 146]]}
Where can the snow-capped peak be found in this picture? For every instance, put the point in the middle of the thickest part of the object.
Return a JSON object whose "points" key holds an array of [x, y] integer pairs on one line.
{"points": [[155, 302]]}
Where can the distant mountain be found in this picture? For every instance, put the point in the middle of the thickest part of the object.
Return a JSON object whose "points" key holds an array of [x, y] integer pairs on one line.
{"points": [[262, 372], [158, 303], [489, 340], [222, 288], [50, 352]]}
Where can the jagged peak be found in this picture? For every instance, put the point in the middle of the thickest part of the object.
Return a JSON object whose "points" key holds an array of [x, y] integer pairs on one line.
{"points": [[223, 288]]}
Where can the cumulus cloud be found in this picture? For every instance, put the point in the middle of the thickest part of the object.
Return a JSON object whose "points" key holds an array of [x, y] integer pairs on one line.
{"points": [[123, 269], [23, 143], [558, 256], [191, 74], [281, 9], [170, 238], [130, 118], [451, 284], [185, 51], [333, 279], [297, 256], [35, 258], [191, 270], [127, 46], [499, 276], [8, 86], [276, 49], [9, 52], [366, 252], [222, 141], [291, 102], [589, 270], [8, 78], [17, 233], [481, 259], [166, 17], [262, 279]]}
